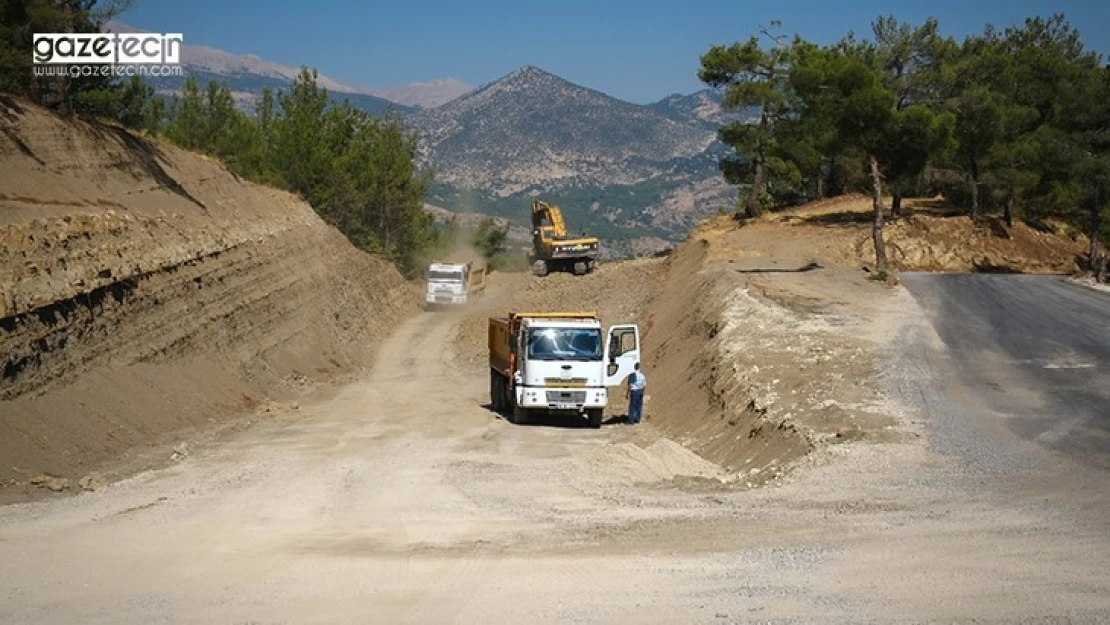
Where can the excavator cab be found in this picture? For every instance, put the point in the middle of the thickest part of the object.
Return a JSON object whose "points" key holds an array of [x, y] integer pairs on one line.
{"points": [[553, 249]]}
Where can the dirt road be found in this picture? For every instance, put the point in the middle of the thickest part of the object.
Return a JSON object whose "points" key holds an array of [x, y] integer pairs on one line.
{"points": [[402, 499], [1030, 351]]}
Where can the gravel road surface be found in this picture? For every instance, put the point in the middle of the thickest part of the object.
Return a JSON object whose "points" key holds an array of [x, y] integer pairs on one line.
{"points": [[1029, 352], [401, 499]]}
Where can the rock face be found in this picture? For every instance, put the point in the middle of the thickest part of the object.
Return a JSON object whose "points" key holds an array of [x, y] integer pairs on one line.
{"points": [[92, 482], [704, 105], [51, 482], [532, 127], [145, 289]]}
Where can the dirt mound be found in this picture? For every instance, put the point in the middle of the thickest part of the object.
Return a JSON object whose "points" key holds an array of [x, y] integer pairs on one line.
{"points": [[659, 461], [930, 236], [759, 357], [146, 292]]}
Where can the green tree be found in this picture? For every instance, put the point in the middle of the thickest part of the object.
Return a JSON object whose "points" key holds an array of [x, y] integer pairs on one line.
{"points": [[917, 137], [209, 121], [837, 84], [187, 124], [979, 94], [1085, 129], [298, 155], [754, 77], [21, 19], [136, 104], [1050, 82], [491, 239], [909, 61], [357, 171], [979, 124]]}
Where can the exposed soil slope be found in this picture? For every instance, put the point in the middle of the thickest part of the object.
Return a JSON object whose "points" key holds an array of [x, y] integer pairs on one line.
{"points": [[750, 369], [146, 292], [930, 236]]}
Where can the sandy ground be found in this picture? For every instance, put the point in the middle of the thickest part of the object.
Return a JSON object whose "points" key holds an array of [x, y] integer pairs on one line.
{"points": [[805, 458], [402, 499]]}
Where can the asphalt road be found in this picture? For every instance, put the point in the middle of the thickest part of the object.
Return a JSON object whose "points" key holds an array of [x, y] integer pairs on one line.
{"points": [[1030, 354]]}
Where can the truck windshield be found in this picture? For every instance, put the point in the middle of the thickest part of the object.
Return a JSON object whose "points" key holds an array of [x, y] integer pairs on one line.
{"points": [[445, 275], [564, 344]]}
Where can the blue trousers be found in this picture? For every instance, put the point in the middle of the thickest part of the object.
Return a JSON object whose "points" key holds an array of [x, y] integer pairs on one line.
{"points": [[635, 406]]}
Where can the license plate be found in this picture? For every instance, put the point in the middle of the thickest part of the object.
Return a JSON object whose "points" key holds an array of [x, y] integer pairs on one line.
{"points": [[562, 406]]}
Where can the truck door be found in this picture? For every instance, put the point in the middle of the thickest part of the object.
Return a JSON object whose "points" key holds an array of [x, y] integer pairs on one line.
{"points": [[622, 352]]}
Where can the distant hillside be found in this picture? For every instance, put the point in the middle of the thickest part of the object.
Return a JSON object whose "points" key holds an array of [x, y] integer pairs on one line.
{"points": [[623, 171], [426, 94], [704, 106], [248, 74], [618, 169], [247, 89]]}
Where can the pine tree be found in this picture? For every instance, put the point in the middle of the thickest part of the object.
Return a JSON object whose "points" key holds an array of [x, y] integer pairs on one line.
{"points": [[755, 78]]}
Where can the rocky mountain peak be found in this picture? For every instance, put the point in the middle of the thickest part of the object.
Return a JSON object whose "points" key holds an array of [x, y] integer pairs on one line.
{"points": [[532, 127]]}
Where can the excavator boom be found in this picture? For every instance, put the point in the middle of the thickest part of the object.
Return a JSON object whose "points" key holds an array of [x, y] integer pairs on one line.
{"points": [[542, 211]]}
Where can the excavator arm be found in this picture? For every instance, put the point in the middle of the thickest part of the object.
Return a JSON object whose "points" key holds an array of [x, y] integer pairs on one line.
{"points": [[542, 211]]}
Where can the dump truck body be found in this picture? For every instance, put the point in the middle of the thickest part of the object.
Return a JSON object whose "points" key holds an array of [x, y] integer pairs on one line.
{"points": [[557, 362], [453, 283]]}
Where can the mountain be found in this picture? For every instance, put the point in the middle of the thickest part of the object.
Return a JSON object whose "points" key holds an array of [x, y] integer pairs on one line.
{"points": [[704, 105], [426, 94], [248, 74], [619, 169], [533, 128]]}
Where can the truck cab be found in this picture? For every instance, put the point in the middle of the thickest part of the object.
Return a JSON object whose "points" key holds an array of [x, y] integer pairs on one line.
{"points": [[453, 283], [558, 362]]}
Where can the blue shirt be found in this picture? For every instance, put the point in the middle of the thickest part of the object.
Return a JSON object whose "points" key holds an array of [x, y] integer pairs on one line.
{"points": [[637, 381]]}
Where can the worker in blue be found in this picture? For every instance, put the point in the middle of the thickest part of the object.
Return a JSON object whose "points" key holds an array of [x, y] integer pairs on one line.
{"points": [[637, 381]]}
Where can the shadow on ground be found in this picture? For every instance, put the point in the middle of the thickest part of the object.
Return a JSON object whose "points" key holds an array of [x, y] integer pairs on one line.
{"points": [[556, 420], [803, 269]]}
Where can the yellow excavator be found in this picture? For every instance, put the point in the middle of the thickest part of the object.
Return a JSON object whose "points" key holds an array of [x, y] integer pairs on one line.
{"points": [[553, 249]]}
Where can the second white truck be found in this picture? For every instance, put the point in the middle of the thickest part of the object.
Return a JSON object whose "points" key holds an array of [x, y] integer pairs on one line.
{"points": [[453, 283]]}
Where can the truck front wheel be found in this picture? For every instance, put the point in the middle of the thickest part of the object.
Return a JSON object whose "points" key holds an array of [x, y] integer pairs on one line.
{"points": [[495, 391], [520, 415], [594, 416]]}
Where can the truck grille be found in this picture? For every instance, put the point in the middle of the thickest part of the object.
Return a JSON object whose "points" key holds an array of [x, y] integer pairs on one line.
{"points": [[566, 397], [565, 383]]}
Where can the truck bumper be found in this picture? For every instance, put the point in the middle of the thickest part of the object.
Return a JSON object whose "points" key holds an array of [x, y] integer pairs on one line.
{"points": [[444, 299], [554, 398]]}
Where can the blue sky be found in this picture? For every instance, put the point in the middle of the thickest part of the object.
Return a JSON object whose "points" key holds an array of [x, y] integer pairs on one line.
{"points": [[638, 51]]}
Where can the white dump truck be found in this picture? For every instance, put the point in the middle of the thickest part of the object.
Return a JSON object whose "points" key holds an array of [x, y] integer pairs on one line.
{"points": [[557, 362], [453, 283]]}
